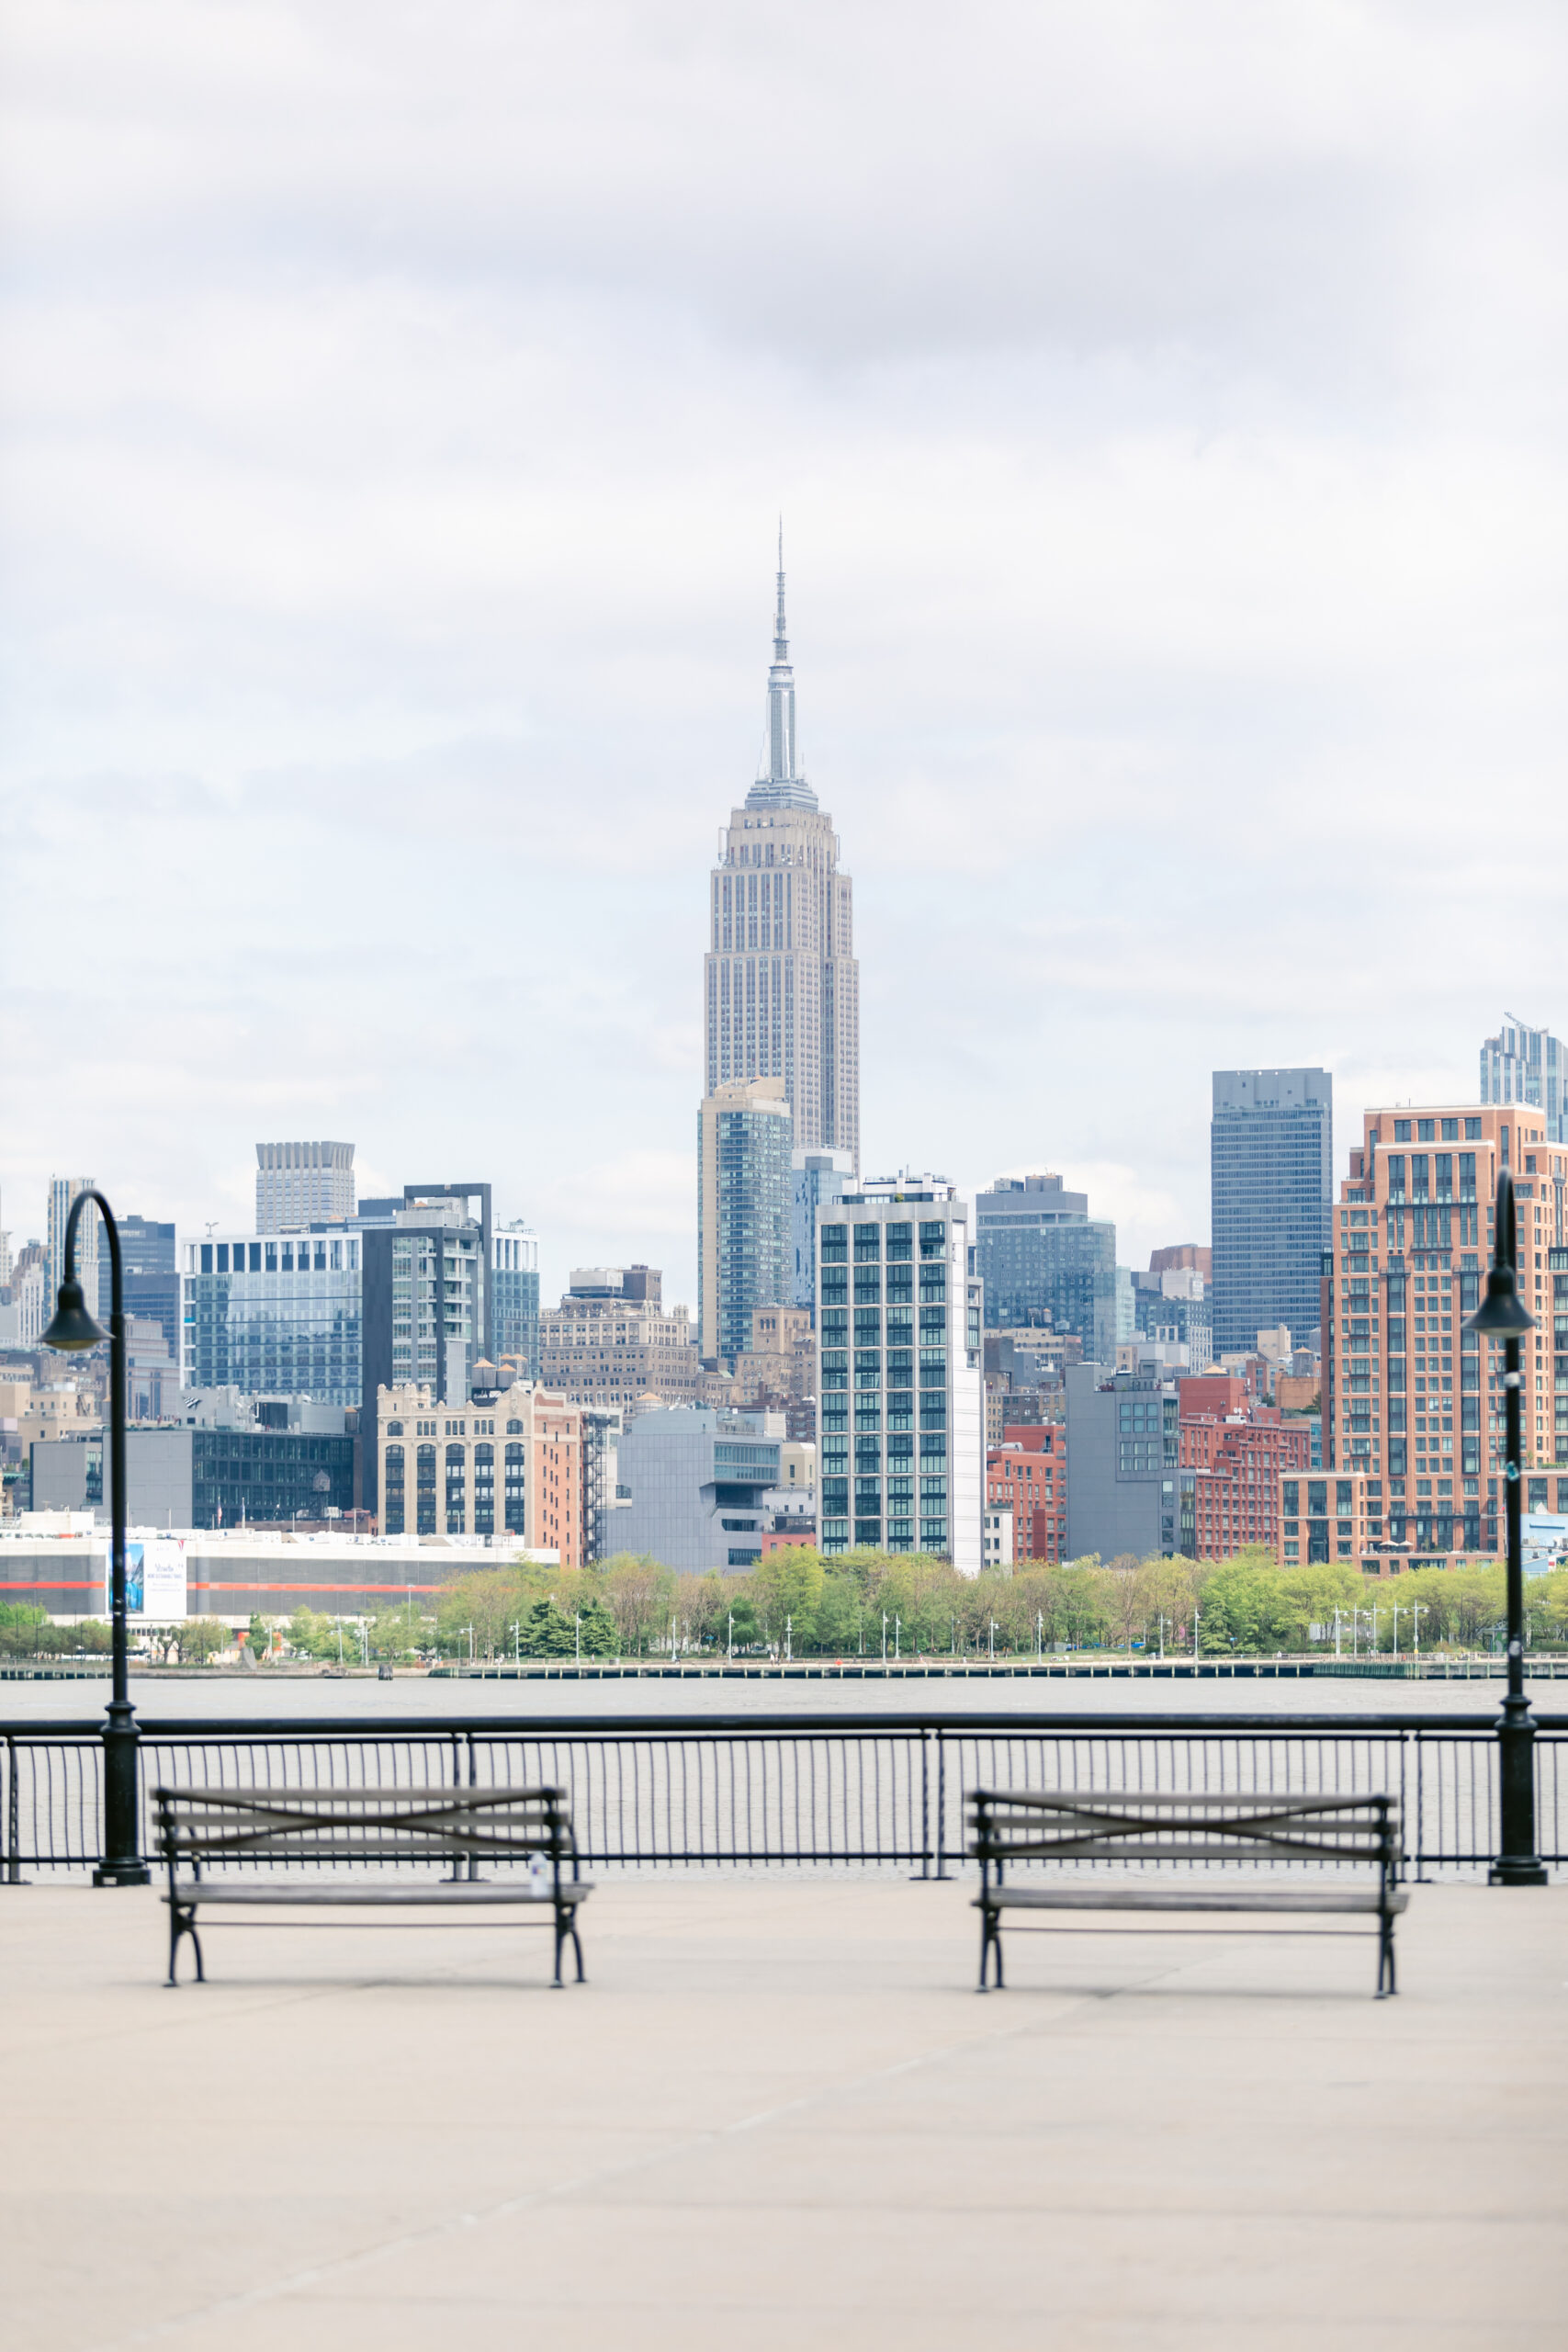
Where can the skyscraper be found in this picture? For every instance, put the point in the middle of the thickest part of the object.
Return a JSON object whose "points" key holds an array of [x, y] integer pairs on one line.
{"points": [[1047, 1263], [781, 986], [1523, 1065], [515, 1293], [743, 1212], [301, 1184], [1270, 1181], [151, 1277], [62, 1191]]}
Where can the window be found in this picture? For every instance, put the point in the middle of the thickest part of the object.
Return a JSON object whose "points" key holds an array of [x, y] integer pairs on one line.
{"points": [[1473, 1130], [1402, 1131], [1424, 1131]]}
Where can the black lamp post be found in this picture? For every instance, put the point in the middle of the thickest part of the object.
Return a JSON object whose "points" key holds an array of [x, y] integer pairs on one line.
{"points": [[74, 1329], [1503, 1314]]}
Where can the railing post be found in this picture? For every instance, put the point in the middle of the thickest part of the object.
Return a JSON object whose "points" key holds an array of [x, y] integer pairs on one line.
{"points": [[13, 1817], [941, 1803], [473, 1783]]}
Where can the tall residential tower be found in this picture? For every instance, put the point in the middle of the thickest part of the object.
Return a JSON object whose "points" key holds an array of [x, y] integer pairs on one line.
{"points": [[781, 984]]}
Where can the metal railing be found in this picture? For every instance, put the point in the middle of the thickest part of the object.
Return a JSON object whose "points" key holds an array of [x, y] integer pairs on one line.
{"points": [[705, 1790]]}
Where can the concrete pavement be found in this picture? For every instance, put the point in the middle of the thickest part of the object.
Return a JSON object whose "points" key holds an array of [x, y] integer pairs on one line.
{"points": [[779, 2115]]}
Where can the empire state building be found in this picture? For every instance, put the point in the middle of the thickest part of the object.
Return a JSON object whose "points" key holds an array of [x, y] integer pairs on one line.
{"points": [[781, 983]]}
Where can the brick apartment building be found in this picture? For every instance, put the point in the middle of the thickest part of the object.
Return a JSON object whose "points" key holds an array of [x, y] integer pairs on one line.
{"points": [[1236, 1451], [1413, 1403], [1028, 1475]]}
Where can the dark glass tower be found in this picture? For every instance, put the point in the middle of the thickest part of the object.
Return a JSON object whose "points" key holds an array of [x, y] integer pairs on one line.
{"points": [[1270, 1180]]}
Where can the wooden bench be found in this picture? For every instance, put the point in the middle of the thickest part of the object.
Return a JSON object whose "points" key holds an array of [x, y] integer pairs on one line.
{"points": [[460, 1827], [1009, 1826]]}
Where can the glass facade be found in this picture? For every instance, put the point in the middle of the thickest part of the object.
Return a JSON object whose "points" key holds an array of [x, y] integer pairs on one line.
{"points": [[1046, 1264], [894, 1313], [1524, 1065], [1270, 1172], [276, 1316], [816, 1180], [750, 1251], [150, 1274], [515, 1301], [238, 1476]]}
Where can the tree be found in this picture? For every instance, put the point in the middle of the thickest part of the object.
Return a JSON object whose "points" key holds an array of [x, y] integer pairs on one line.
{"points": [[598, 1630], [546, 1631], [839, 1616], [1246, 1606], [22, 1628], [786, 1588], [741, 1619], [640, 1593], [201, 1637]]}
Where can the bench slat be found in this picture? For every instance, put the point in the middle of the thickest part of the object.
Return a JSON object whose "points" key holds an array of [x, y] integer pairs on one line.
{"points": [[1197, 1898], [1170, 1800], [192, 1894]]}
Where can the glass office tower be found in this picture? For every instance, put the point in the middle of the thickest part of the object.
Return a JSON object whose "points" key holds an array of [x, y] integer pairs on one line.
{"points": [[1271, 1177]]}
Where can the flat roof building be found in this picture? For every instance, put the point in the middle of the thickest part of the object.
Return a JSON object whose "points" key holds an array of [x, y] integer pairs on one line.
{"points": [[900, 1405], [1045, 1261], [1272, 1179], [1409, 1396], [695, 1484], [301, 1184]]}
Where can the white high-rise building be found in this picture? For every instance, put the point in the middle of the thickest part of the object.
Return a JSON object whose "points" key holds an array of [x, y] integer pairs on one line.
{"points": [[781, 986], [301, 1184], [900, 1415]]}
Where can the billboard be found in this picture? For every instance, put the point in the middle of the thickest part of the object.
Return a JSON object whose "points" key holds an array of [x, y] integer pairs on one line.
{"points": [[154, 1580]]}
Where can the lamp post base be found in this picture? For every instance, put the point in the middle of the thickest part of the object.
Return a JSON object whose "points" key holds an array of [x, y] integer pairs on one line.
{"points": [[122, 1874], [1516, 1869]]}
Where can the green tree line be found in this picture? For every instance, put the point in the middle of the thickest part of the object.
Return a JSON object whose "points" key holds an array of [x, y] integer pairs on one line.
{"points": [[843, 1607]]}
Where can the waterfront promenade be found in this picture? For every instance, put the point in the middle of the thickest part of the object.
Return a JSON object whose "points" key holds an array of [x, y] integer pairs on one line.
{"points": [[778, 2116]]}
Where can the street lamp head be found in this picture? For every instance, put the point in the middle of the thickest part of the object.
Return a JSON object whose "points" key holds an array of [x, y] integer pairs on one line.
{"points": [[1502, 1314], [72, 1328]]}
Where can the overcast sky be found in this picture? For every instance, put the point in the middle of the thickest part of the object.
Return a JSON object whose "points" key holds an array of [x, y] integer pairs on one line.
{"points": [[1167, 409]]}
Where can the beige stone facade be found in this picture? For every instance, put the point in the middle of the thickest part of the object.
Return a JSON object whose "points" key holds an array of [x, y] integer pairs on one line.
{"points": [[781, 986], [506, 1468], [617, 1347]]}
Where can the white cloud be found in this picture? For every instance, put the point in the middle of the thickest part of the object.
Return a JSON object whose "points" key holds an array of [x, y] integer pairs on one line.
{"points": [[1166, 407]]}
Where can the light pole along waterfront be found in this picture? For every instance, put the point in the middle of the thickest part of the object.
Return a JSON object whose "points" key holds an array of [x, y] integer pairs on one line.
{"points": [[72, 1330], [1503, 1314]]}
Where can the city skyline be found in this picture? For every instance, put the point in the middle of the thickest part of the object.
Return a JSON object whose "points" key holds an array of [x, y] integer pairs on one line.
{"points": [[1171, 578]]}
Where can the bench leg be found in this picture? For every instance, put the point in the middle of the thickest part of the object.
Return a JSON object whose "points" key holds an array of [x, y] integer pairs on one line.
{"points": [[1385, 1957], [577, 1947], [561, 1932], [990, 1942], [182, 1922]]}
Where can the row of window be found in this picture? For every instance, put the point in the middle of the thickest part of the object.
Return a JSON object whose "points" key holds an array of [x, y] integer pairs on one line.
{"points": [[870, 1239]]}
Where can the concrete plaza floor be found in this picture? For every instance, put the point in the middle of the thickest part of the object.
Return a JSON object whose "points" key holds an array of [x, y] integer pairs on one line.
{"points": [[779, 2116]]}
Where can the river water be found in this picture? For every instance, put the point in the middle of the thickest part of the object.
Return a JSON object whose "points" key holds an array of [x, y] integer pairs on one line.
{"points": [[224, 1695]]}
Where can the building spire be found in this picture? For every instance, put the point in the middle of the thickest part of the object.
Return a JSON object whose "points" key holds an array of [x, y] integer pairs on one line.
{"points": [[782, 785], [781, 691]]}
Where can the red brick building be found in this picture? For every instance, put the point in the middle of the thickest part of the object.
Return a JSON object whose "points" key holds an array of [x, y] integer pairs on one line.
{"points": [[1028, 1474], [1239, 1458]]}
